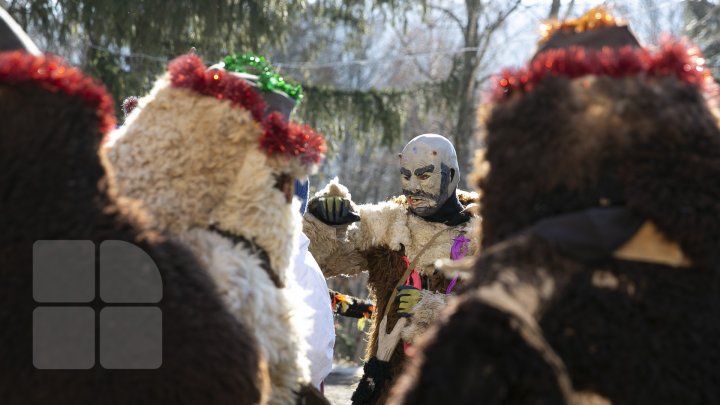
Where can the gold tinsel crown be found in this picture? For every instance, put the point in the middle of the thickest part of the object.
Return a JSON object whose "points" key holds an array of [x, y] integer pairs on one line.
{"points": [[596, 17]]}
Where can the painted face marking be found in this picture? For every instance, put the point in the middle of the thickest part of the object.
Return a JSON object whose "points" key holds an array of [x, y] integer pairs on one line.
{"points": [[405, 172], [423, 170]]}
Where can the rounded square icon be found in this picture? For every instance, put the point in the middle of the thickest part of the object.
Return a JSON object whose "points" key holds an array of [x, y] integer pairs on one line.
{"points": [[131, 338], [64, 338], [64, 271], [128, 274]]}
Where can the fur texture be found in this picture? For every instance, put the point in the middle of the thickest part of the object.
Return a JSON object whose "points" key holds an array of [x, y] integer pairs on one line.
{"points": [[481, 354], [202, 167], [196, 162], [253, 298], [651, 145], [386, 232], [55, 187], [627, 331]]}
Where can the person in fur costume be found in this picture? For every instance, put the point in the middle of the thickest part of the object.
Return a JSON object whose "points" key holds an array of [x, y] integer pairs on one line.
{"points": [[395, 241], [215, 164], [601, 227], [55, 189]]}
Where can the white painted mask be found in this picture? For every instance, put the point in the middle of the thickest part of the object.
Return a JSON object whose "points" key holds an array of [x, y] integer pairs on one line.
{"points": [[429, 173]]}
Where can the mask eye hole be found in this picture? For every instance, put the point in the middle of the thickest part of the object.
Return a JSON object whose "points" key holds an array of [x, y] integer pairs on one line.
{"points": [[424, 176], [286, 184]]}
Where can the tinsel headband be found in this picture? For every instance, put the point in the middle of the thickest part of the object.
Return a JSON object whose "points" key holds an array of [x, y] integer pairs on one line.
{"points": [[677, 59], [280, 138], [593, 19], [54, 75]]}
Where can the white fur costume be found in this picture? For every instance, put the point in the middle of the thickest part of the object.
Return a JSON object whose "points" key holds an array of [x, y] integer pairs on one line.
{"points": [[340, 249], [196, 163]]}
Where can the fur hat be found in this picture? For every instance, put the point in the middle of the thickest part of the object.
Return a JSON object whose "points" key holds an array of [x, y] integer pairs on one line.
{"points": [[590, 124]]}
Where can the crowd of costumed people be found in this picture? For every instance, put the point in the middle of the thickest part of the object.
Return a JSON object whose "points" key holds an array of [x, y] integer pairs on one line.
{"points": [[580, 270]]}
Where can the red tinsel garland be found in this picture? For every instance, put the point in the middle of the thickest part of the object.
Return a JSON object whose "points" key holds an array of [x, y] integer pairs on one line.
{"points": [[673, 59], [292, 139], [54, 75], [279, 136], [189, 71]]}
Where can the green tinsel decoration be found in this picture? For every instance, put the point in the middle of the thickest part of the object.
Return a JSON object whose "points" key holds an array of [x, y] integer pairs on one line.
{"points": [[268, 79]]}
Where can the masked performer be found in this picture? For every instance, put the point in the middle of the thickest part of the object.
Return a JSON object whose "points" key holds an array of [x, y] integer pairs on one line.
{"points": [[602, 226], [56, 212], [214, 160], [391, 239]]}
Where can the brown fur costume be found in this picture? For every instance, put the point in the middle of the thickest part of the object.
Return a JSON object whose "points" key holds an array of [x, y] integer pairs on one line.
{"points": [[54, 187], [385, 269], [540, 326]]}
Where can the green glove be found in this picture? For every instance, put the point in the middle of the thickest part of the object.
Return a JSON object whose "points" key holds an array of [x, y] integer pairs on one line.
{"points": [[333, 210], [407, 298]]}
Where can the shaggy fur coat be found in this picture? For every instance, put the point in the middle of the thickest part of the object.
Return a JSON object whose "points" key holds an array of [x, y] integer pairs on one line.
{"points": [[196, 164], [54, 187], [386, 232], [541, 324]]}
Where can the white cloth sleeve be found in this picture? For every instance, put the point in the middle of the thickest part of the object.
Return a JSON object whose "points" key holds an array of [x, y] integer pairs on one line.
{"points": [[321, 335]]}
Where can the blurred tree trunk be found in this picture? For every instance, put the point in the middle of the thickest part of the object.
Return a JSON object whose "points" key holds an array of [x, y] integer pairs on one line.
{"points": [[477, 40]]}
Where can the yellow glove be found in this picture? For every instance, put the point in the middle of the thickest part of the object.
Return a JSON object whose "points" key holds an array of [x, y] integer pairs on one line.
{"points": [[407, 298]]}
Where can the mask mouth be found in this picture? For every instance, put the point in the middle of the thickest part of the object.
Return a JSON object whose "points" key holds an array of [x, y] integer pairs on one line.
{"points": [[419, 202], [420, 198]]}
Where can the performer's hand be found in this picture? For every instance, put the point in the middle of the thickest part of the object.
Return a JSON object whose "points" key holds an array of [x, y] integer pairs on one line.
{"points": [[333, 210], [388, 341], [407, 298]]}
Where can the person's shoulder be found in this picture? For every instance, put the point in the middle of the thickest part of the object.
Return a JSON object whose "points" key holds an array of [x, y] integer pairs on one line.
{"points": [[389, 208]]}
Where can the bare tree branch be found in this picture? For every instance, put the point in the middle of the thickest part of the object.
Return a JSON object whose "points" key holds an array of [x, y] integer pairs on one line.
{"points": [[700, 22], [569, 9], [422, 69], [554, 10], [502, 16], [491, 28], [450, 14]]}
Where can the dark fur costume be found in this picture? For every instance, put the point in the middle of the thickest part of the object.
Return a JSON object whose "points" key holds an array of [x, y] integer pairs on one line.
{"points": [[535, 322], [54, 187]]}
